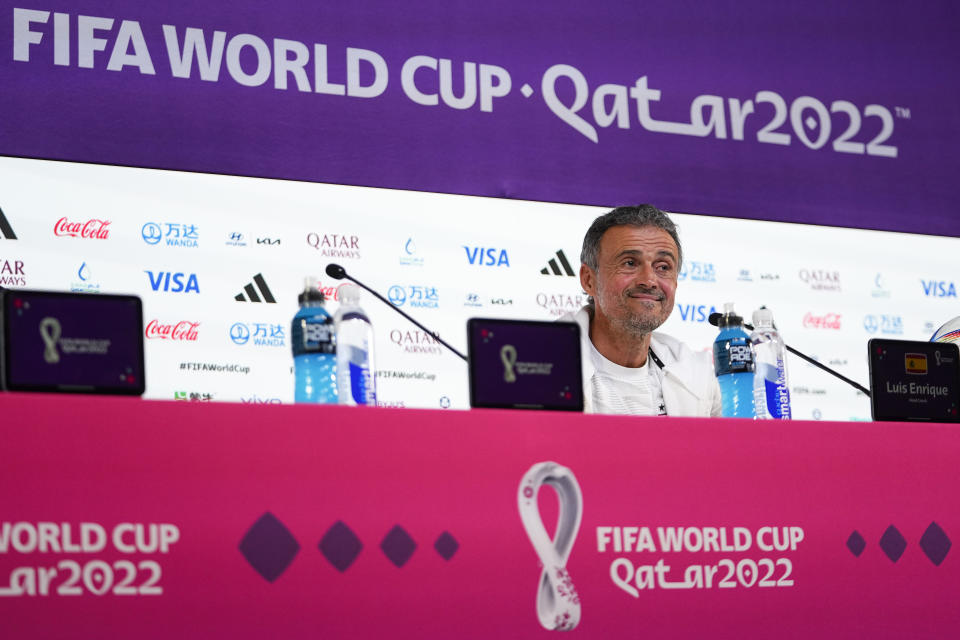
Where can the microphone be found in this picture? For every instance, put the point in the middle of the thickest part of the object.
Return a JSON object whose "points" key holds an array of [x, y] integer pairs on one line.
{"points": [[337, 272], [714, 319]]}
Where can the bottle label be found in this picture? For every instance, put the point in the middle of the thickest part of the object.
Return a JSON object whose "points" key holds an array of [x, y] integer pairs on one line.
{"points": [[732, 356], [360, 387], [313, 336]]}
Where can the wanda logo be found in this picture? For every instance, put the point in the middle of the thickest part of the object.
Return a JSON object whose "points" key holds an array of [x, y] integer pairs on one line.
{"points": [[183, 330], [94, 229], [828, 321]]}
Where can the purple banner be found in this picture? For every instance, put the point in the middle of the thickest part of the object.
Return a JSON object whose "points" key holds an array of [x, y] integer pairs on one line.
{"points": [[801, 111]]}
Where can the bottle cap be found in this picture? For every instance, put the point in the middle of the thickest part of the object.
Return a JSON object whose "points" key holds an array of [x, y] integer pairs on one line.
{"points": [[730, 317], [349, 294], [763, 316], [311, 292]]}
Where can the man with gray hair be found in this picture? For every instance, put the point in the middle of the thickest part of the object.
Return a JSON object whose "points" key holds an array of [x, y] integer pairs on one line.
{"points": [[629, 265]]}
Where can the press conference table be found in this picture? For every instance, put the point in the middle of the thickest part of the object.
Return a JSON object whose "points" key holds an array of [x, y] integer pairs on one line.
{"points": [[143, 519]]}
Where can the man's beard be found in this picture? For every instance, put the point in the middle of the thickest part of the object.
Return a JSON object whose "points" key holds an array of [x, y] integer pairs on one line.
{"points": [[634, 322]]}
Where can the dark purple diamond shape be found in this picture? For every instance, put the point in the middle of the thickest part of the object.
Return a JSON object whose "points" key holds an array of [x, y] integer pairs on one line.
{"points": [[935, 543], [446, 545], [340, 546], [269, 547], [892, 543], [398, 546], [856, 543]]}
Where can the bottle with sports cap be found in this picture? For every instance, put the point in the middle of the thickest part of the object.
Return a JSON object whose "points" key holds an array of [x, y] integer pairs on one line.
{"points": [[355, 368], [314, 348], [734, 365], [770, 388]]}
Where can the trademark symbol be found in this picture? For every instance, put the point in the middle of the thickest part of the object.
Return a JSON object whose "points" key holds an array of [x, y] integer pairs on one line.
{"points": [[902, 112]]}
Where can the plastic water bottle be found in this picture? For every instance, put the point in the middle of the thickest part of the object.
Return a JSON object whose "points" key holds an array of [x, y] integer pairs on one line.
{"points": [[733, 363], [355, 363], [314, 349], [771, 392]]}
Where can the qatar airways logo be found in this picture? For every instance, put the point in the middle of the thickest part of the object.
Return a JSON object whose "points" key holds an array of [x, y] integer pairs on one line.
{"points": [[828, 321], [820, 280], [415, 342], [92, 229], [184, 331]]}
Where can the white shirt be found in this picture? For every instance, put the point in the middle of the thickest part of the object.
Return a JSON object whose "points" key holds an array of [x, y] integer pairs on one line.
{"points": [[621, 390]]}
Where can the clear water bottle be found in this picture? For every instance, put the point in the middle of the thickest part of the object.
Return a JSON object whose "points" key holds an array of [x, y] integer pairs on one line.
{"points": [[771, 391], [355, 363], [314, 349], [733, 363]]}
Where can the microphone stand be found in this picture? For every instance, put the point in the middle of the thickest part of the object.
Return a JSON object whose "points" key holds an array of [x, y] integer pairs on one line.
{"points": [[339, 273]]}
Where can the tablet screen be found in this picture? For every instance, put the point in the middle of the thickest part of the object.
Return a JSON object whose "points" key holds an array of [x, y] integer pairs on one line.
{"points": [[72, 342]]}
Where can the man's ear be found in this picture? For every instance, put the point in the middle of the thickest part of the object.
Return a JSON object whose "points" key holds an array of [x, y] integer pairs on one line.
{"points": [[588, 280]]}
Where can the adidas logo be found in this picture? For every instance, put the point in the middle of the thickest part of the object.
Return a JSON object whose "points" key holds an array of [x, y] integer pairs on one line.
{"points": [[555, 268], [6, 231], [258, 284]]}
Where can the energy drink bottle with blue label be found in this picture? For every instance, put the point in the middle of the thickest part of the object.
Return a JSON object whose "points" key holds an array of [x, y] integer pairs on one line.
{"points": [[734, 365], [314, 349]]}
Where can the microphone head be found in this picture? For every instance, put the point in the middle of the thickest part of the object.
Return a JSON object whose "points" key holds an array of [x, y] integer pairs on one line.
{"points": [[714, 319], [336, 272]]}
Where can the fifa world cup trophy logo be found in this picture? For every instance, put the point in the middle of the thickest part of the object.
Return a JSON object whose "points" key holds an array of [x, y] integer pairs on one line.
{"points": [[558, 605]]}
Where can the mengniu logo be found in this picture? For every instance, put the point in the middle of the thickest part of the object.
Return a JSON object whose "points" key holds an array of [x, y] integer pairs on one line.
{"points": [[173, 234], [695, 312], [554, 266], [253, 291], [939, 289], [418, 296], [173, 282], [698, 272], [184, 330], [487, 257], [6, 231], [12, 273], [92, 229]]}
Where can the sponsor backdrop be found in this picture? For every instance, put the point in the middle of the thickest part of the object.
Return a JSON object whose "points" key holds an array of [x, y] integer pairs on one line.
{"points": [[165, 520], [811, 111], [219, 261]]}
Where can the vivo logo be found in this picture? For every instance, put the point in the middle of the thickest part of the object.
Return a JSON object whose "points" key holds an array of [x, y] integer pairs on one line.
{"points": [[173, 282], [939, 289], [695, 313], [487, 257], [257, 400]]}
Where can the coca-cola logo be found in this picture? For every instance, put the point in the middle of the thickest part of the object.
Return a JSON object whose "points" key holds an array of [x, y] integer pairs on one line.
{"points": [[94, 229], [329, 293], [828, 321], [183, 330]]}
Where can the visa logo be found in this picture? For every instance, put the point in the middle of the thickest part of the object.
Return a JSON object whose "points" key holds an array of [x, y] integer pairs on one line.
{"points": [[173, 282], [487, 257], [939, 289], [695, 313]]}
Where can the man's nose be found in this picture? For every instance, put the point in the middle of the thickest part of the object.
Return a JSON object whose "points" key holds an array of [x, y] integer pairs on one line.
{"points": [[646, 276]]}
